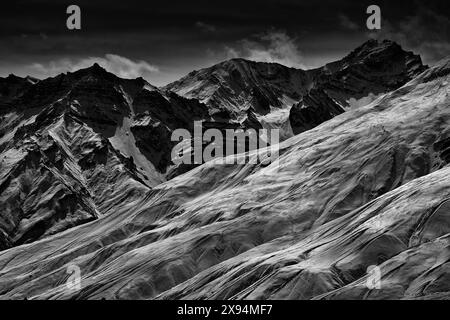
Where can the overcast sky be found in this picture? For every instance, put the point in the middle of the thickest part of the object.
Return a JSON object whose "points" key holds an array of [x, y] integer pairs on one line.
{"points": [[165, 40]]}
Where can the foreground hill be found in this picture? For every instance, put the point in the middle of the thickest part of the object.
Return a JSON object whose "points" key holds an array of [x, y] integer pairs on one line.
{"points": [[368, 187]]}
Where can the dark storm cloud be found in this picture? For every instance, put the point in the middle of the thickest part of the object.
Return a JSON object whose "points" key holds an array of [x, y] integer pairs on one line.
{"points": [[178, 36], [205, 27]]}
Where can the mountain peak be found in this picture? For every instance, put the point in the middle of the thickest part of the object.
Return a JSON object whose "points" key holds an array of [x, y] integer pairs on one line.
{"points": [[371, 43], [13, 78], [95, 69], [373, 46], [381, 50]]}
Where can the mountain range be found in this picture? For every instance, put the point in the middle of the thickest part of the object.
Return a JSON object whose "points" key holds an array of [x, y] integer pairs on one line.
{"points": [[86, 178]]}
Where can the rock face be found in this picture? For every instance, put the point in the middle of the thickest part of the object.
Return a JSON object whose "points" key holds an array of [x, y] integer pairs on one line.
{"points": [[80, 145], [238, 87], [367, 72], [315, 107], [366, 189]]}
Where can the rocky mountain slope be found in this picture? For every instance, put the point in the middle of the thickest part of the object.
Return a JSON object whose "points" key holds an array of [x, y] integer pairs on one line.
{"points": [[82, 145], [238, 87], [369, 187]]}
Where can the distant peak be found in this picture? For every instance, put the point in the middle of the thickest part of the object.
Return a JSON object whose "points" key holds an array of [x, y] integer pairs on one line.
{"points": [[97, 68], [376, 42], [243, 61], [379, 50], [233, 62], [13, 77], [141, 81], [372, 44], [240, 60]]}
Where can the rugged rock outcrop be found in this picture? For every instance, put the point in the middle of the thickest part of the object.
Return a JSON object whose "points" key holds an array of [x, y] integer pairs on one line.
{"points": [[315, 108]]}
